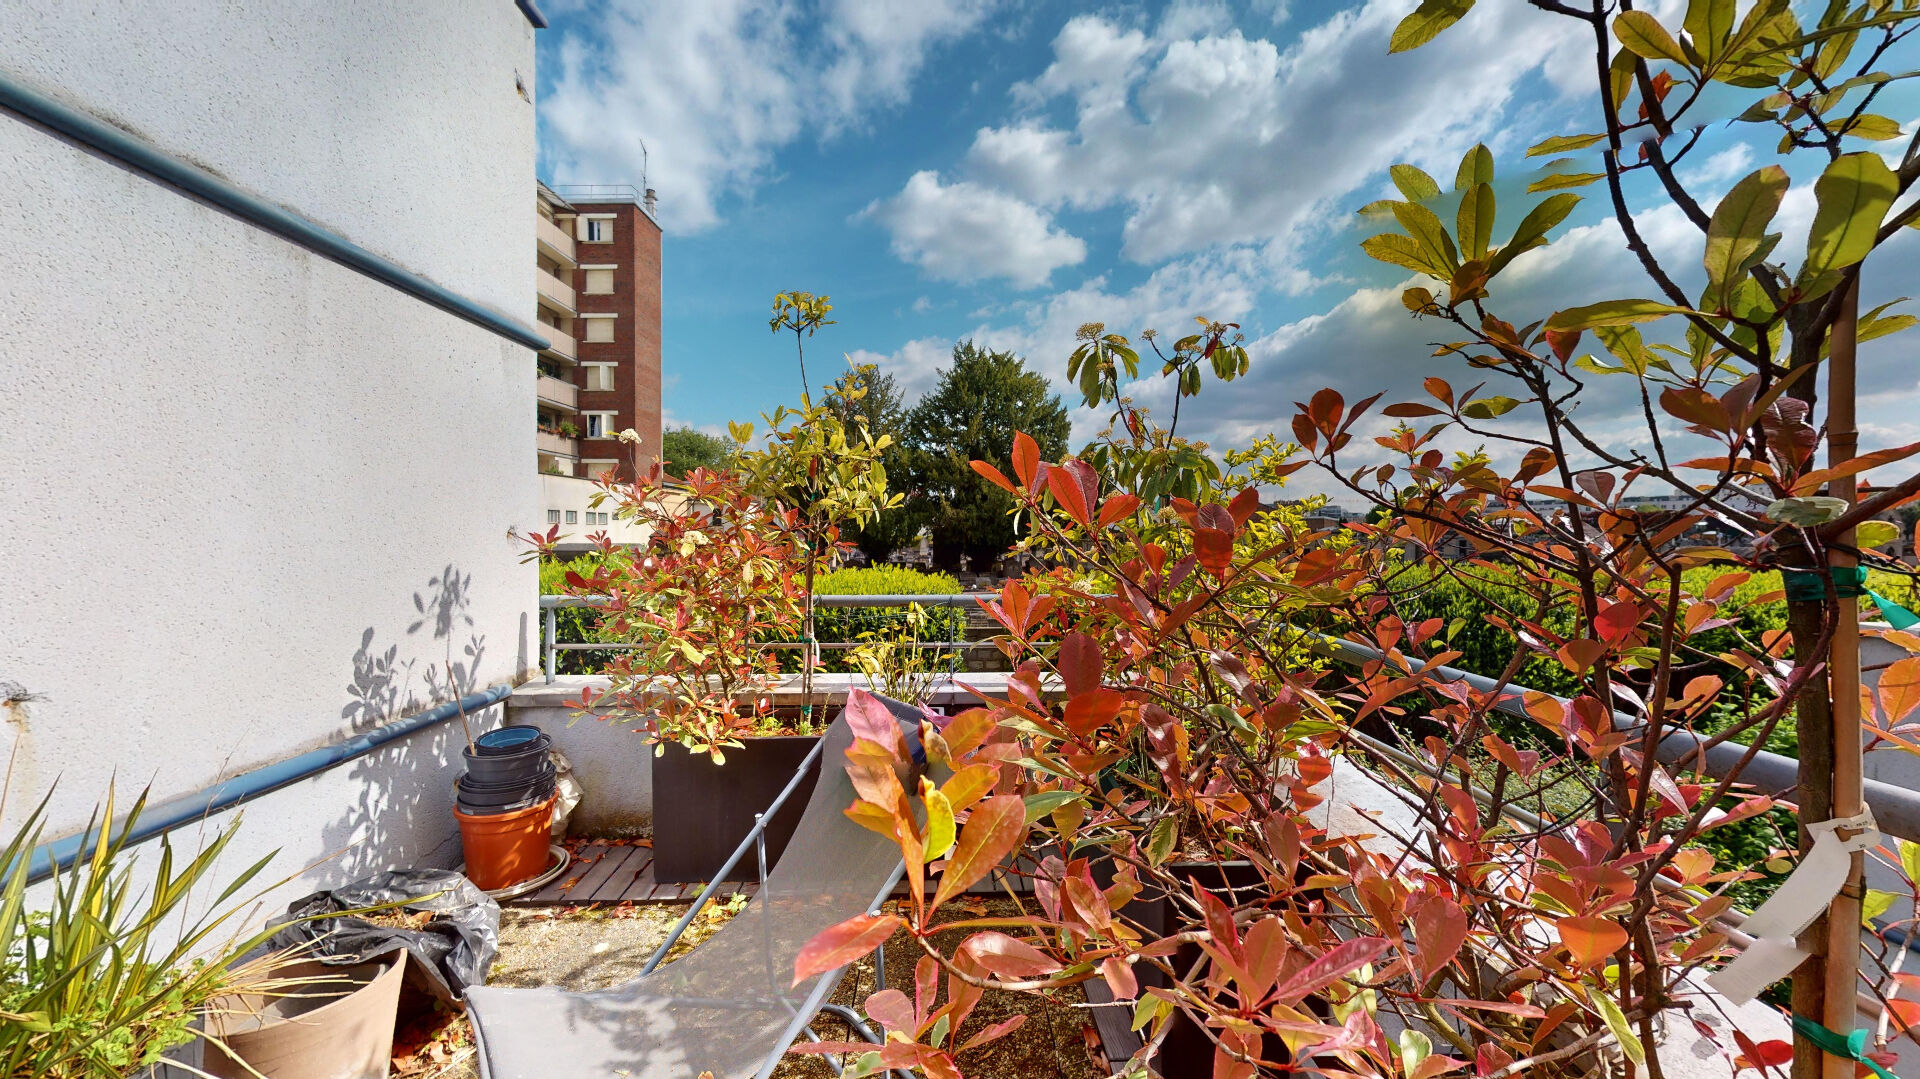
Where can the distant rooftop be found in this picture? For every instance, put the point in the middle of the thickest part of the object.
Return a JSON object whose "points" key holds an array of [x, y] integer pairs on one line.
{"points": [[608, 193]]}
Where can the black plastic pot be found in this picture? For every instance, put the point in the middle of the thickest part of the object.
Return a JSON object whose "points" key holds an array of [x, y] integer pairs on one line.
{"points": [[511, 739], [505, 767], [702, 810], [482, 798]]}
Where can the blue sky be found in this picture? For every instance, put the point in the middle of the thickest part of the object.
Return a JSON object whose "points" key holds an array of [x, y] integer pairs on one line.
{"points": [[972, 168]]}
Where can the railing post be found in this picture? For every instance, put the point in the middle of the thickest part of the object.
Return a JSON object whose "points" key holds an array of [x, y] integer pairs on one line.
{"points": [[551, 649], [760, 843]]}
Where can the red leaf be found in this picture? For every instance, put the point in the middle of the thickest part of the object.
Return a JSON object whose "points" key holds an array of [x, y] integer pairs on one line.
{"points": [[1244, 506], [1563, 342], [1214, 549], [1080, 663], [1591, 940], [870, 720], [1337, 962], [994, 476], [1117, 508], [836, 946], [1066, 490], [995, 828], [1026, 458], [998, 1030], [1007, 956], [1086, 712], [892, 1008], [1439, 929]]}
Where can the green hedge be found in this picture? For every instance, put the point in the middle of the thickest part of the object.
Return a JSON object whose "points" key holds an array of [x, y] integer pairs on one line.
{"points": [[854, 624], [577, 624]]}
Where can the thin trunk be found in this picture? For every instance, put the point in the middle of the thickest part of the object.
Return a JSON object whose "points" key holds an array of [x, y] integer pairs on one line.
{"points": [[1843, 917], [1813, 721]]}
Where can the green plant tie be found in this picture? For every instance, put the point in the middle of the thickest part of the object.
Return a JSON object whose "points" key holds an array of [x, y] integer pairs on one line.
{"points": [[1849, 582], [1848, 1046], [1810, 586]]}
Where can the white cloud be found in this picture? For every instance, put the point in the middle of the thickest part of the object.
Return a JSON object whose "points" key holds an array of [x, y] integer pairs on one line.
{"points": [[1204, 136], [716, 87], [965, 232], [915, 366]]}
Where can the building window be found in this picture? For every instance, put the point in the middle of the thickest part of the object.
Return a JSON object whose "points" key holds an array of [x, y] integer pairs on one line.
{"points": [[599, 282], [553, 517], [595, 468], [600, 331], [599, 230], [600, 376], [600, 424], [572, 517]]}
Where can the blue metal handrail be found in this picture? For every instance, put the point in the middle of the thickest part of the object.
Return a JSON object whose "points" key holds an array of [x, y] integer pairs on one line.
{"points": [[50, 858]]}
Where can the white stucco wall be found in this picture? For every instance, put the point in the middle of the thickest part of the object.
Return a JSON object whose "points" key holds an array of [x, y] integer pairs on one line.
{"points": [[255, 501]]}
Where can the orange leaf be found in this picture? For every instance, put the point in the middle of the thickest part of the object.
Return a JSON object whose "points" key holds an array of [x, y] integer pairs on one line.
{"points": [[1117, 508], [994, 476], [995, 828], [839, 945], [1439, 930], [1214, 549], [1026, 458], [1591, 940], [1900, 688], [1007, 956]]}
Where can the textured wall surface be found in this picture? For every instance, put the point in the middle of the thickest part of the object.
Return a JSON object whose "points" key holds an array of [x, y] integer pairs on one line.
{"points": [[255, 501]]}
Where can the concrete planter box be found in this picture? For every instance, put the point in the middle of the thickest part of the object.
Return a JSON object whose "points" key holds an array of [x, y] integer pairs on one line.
{"points": [[702, 810]]}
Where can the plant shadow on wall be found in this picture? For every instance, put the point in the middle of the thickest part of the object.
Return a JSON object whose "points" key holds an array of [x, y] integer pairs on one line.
{"points": [[404, 789]]}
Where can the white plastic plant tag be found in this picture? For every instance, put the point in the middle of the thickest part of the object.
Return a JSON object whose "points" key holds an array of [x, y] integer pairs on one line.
{"points": [[1802, 897]]}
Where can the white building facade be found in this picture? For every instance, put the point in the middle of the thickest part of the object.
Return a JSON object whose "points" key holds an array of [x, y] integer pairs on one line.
{"points": [[258, 494]]}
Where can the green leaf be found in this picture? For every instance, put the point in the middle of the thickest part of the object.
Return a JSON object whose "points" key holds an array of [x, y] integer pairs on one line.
{"points": [[1738, 231], [1426, 22], [1426, 230], [1474, 223], [1402, 251], [1413, 183], [1873, 128], [1160, 840], [1642, 33], [1039, 805], [1709, 23], [1877, 324], [1561, 180], [1851, 199], [1562, 143], [1875, 533], [1910, 859], [1488, 408], [1533, 229], [1617, 1023], [1874, 904], [1475, 168], [1626, 345], [1613, 313]]}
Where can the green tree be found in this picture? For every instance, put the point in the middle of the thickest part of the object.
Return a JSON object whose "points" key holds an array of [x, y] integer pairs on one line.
{"points": [[884, 411], [981, 401], [684, 449]]}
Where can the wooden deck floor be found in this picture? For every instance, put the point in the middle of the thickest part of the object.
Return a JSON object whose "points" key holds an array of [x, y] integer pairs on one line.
{"points": [[604, 872]]}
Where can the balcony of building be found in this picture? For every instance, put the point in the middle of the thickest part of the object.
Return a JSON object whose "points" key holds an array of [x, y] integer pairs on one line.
{"points": [[560, 343], [554, 293], [554, 241], [557, 393], [556, 445]]}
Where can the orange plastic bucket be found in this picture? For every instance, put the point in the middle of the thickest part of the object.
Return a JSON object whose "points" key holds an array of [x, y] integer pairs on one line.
{"points": [[504, 849]]}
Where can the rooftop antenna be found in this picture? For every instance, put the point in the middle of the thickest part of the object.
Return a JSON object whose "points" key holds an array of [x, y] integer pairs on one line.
{"points": [[644, 186]]}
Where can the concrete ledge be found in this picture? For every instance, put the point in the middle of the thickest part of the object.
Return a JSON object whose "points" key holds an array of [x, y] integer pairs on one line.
{"points": [[827, 689]]}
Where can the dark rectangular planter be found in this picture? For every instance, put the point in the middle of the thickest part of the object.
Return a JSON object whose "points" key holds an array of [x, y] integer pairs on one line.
{"points": [[702, 810], [1187, 1052]]}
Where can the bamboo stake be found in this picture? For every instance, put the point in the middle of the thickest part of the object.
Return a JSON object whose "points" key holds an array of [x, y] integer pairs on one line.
{"points": [[1843, 916]]}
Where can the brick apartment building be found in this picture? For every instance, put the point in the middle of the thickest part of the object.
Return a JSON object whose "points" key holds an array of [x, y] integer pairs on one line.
{"points": [[598, 301]]}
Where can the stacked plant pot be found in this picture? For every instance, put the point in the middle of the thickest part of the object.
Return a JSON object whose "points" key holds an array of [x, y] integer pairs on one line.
{"points": [[504, 803]]}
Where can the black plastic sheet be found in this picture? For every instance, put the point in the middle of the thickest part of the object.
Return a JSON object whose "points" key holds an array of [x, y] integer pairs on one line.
{"points": [[451, 952]]}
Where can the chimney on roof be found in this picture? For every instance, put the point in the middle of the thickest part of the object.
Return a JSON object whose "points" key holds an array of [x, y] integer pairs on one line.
{"points": [[650, 201]]}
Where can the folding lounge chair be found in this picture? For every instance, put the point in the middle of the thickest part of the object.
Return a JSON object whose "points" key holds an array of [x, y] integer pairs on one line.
{"points": [[727, 1007]]}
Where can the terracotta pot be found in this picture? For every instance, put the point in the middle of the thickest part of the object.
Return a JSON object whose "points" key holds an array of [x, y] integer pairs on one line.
{"points": [[337, 1028], [503, 849]]}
